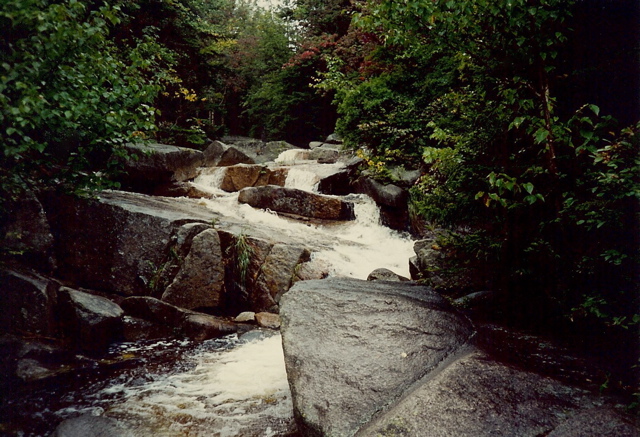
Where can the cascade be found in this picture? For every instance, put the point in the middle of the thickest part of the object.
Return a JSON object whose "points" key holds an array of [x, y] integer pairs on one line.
{"points": [[232, 386]]}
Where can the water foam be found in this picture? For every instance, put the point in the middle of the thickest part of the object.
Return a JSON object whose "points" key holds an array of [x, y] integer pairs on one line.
{"points": [[227, 393]]}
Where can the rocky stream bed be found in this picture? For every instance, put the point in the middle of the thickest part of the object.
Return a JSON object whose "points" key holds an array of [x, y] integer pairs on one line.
{"points": [[225, 293]]}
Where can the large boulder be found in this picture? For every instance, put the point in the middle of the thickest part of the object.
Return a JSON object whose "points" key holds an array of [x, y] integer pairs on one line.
{"points": [[28, 303], [118, 242], [478, 396], [92, 322], [151, 165], [394, 359], [354, 347], [299, 202], [219, 154], [242, 176], [200, 281]]}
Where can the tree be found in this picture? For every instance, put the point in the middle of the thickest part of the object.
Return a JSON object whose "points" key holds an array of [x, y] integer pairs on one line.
{"points": [[546, 193], [69, 96]]}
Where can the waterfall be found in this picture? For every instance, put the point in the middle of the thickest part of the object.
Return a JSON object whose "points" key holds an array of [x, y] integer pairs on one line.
{"points": [[231, 386]]}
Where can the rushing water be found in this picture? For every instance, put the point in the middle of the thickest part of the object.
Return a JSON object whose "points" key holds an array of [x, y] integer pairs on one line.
{"points": [[230, 386]]}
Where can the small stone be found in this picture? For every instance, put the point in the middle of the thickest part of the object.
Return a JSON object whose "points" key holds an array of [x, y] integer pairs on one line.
{"points": [[247, 316], [268, 320]]}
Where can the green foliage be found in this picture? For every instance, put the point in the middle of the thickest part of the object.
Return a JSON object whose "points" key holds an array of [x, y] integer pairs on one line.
{"points": [[467, 89], [70, 97], [240, 255]]}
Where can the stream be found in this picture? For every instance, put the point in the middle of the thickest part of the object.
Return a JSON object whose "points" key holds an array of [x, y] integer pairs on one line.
{"points": [[232, 386]]}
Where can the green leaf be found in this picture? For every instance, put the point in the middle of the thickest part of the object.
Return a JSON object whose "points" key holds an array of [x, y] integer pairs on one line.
{"points": [[541, 135], [528, 187], [595, 109]]}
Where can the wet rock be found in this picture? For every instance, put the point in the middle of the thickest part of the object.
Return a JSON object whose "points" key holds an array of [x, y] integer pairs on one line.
{"points": [[268, 320], [25, 232], [294, 201], [338, 183], [247, 316], [218, 154], [200, 281], [28, 303], [120, 241], [31, 370], [385, 275], [91, 426], [92, 322], [157, 164], [152, 309], [315, 144], [242, 176], [180, 189], [202, 327], [136, 329], [353, 347], [477, 396], [276, 275]]}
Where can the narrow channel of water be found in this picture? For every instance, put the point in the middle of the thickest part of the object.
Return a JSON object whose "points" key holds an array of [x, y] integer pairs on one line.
{"points": [[230, 386]]}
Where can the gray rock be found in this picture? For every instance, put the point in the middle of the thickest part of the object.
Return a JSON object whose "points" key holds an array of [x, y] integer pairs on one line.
{"points": [[334, 138], [157, 164], [315, 144], [392, 199], [385, 275], [200, 281], [202, 327], [294, 201], [92, 322], [26, 232], [218, 154], [240, 280], [477, 396], [181, 189], [152, 309], [28, 303], [354, 347], [30, 370], [120, 241], [276, 276], [136, 329], [259, 151], [91, 426], [599, 421], [338, 183], [387, 195], [325, 155]]}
